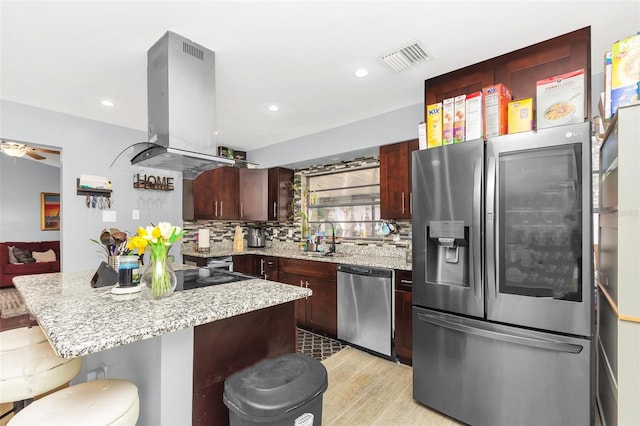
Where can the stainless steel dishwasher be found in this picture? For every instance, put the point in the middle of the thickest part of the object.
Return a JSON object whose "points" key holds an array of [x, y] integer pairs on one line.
{"points": [[365, 306]]}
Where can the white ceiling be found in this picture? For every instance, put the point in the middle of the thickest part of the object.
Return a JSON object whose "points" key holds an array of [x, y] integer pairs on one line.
{"points": [[68, 55]]}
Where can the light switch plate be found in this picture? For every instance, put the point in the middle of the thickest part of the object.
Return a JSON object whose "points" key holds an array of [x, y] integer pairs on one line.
{"points": [[109, 216], [135, 214]]}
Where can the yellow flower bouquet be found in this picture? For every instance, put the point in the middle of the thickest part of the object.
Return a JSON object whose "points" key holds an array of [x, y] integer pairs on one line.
{"points": [[158, 276]]}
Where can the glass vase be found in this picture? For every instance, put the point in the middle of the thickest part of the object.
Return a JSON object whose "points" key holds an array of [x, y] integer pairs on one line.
{"points": [[158, 279]]}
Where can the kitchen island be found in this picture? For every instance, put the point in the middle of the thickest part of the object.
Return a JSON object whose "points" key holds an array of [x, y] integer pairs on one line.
{"points": [[177, 350]]}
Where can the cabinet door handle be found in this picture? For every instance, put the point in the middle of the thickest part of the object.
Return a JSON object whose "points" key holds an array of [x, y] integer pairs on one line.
{"points": [[266, 276], [410, 282], [261, 266], [220, 208], [275, 214], [216, 211], [301, 283], [307, 284], [241, 209], [403, 202]]}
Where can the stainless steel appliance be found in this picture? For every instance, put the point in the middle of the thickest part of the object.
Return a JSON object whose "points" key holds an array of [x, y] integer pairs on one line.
{"points": [[255, 236], [365, 306], [181, 107], [502, 279]]}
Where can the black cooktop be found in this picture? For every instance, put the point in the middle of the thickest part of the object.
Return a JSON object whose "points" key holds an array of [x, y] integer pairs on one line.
{"points": [[190, 278]]}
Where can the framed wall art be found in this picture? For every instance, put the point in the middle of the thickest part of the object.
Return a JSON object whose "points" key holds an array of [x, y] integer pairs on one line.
{"points": [[49, 211]]}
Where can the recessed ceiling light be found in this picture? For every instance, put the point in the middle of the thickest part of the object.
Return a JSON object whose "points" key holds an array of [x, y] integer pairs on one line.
{"points": [[106, 103], [273, 108], [361, 73]]}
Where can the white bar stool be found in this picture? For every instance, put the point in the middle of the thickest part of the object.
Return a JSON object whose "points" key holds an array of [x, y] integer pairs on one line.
{"points": [[29, 367], [101, 402]]}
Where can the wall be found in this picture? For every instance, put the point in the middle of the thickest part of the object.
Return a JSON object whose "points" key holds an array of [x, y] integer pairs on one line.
{"points": [[358, 139], [89, 147], [21, 182]]}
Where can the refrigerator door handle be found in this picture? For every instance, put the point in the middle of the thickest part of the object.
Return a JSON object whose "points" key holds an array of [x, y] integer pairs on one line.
{"points": [[490, 235], [477, 201], [550, 345]]}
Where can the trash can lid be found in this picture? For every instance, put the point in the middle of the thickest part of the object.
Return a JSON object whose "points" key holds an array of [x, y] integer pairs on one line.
{"points": [[274, 386]]}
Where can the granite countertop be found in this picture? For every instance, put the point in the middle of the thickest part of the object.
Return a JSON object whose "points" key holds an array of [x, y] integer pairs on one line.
{"points": [[370, 259], [79, 319]]}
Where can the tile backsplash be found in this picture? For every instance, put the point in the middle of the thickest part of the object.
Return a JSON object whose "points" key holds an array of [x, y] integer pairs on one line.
{"points": [[288, 234]]}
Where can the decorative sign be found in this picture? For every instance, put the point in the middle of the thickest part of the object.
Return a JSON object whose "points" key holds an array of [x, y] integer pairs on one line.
{"points": [[158, 183]]}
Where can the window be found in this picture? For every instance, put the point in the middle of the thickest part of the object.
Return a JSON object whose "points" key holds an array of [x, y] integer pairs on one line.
{"points": [[350, 199]]}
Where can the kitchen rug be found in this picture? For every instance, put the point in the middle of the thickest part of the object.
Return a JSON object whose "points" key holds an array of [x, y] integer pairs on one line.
{"points": [[316, 346], [11, 303]]}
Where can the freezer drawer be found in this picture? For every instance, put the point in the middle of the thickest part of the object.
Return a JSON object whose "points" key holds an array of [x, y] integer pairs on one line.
{"points": [[487, 374]]}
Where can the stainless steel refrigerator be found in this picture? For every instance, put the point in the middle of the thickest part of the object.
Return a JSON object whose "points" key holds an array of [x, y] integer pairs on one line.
{"points": [[503, 295]]}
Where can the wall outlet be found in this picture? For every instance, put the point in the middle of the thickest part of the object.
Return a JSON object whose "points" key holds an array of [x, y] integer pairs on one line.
{"points": [[135, 214]]}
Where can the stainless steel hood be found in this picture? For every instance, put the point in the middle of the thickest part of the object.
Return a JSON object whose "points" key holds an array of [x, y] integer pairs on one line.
{"points": [[181, 109]]}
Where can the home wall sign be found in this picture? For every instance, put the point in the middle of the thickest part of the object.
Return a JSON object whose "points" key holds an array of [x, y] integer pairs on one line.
{"points": [[158, 183]]}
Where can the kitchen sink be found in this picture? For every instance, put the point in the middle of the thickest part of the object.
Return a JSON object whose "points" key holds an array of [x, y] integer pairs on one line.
{"points": [[318, 254]]}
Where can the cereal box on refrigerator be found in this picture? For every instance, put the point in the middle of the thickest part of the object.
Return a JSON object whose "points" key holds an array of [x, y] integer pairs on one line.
{"points": [[459, 118], [625, 71], [520, 115], [560, 99], [474, 116], [496, 98], [447, 121], [434, 125]]}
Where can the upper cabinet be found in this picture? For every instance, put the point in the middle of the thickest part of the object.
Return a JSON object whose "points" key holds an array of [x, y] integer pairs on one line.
{"points": [[215, 194], [265, 194], [253, 194], [280, 194], [395, 179], [520, 70]]}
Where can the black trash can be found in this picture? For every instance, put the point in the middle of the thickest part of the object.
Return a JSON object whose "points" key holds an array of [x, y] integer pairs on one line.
{"points": [[282, 391]]}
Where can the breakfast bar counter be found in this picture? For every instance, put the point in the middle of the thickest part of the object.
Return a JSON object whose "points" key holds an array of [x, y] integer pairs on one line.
{"points": [[79, 319], [177, 350]]}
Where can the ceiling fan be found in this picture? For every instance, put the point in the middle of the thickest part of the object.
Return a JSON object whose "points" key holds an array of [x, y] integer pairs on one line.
{"points": [[18, 149]]}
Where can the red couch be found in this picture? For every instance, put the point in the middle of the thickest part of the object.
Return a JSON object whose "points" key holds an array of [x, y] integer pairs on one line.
{"points": [[10, 270]]}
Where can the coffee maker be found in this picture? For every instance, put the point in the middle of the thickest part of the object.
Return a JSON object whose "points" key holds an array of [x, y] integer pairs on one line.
{"points": [[255, 237]]}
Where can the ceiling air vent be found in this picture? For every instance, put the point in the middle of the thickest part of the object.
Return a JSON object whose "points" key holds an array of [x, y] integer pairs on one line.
{"points": [[190, 49], [405, 56]]}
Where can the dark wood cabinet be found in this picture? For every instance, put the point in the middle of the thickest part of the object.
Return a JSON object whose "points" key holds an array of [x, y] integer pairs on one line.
{"points": [[194, 260], [265, 194], [403, 338], [268, 268], [253, 194], [245, 264], [395, 179], [520, 70], [215, 194], [280, 194], [320, 311]]}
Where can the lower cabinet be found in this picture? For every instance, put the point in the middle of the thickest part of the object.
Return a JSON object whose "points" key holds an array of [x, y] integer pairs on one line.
{"points": [[245, 264], [268, 268], [404, 328], [320, 311]]}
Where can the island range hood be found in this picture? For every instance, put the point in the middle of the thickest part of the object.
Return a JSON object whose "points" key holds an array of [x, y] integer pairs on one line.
{"points": [[181, 109]]}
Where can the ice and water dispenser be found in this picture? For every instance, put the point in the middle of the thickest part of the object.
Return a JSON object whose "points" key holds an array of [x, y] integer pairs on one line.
{"points": [[447, 251]]}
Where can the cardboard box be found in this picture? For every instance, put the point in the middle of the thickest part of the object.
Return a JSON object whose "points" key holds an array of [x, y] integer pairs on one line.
{"points": [[520, 115], [496, 100], [625, 71], [422, 135], [607, 86], [474, 116], [447, 121], [434, 125], [560, 99], [459, 118]]}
